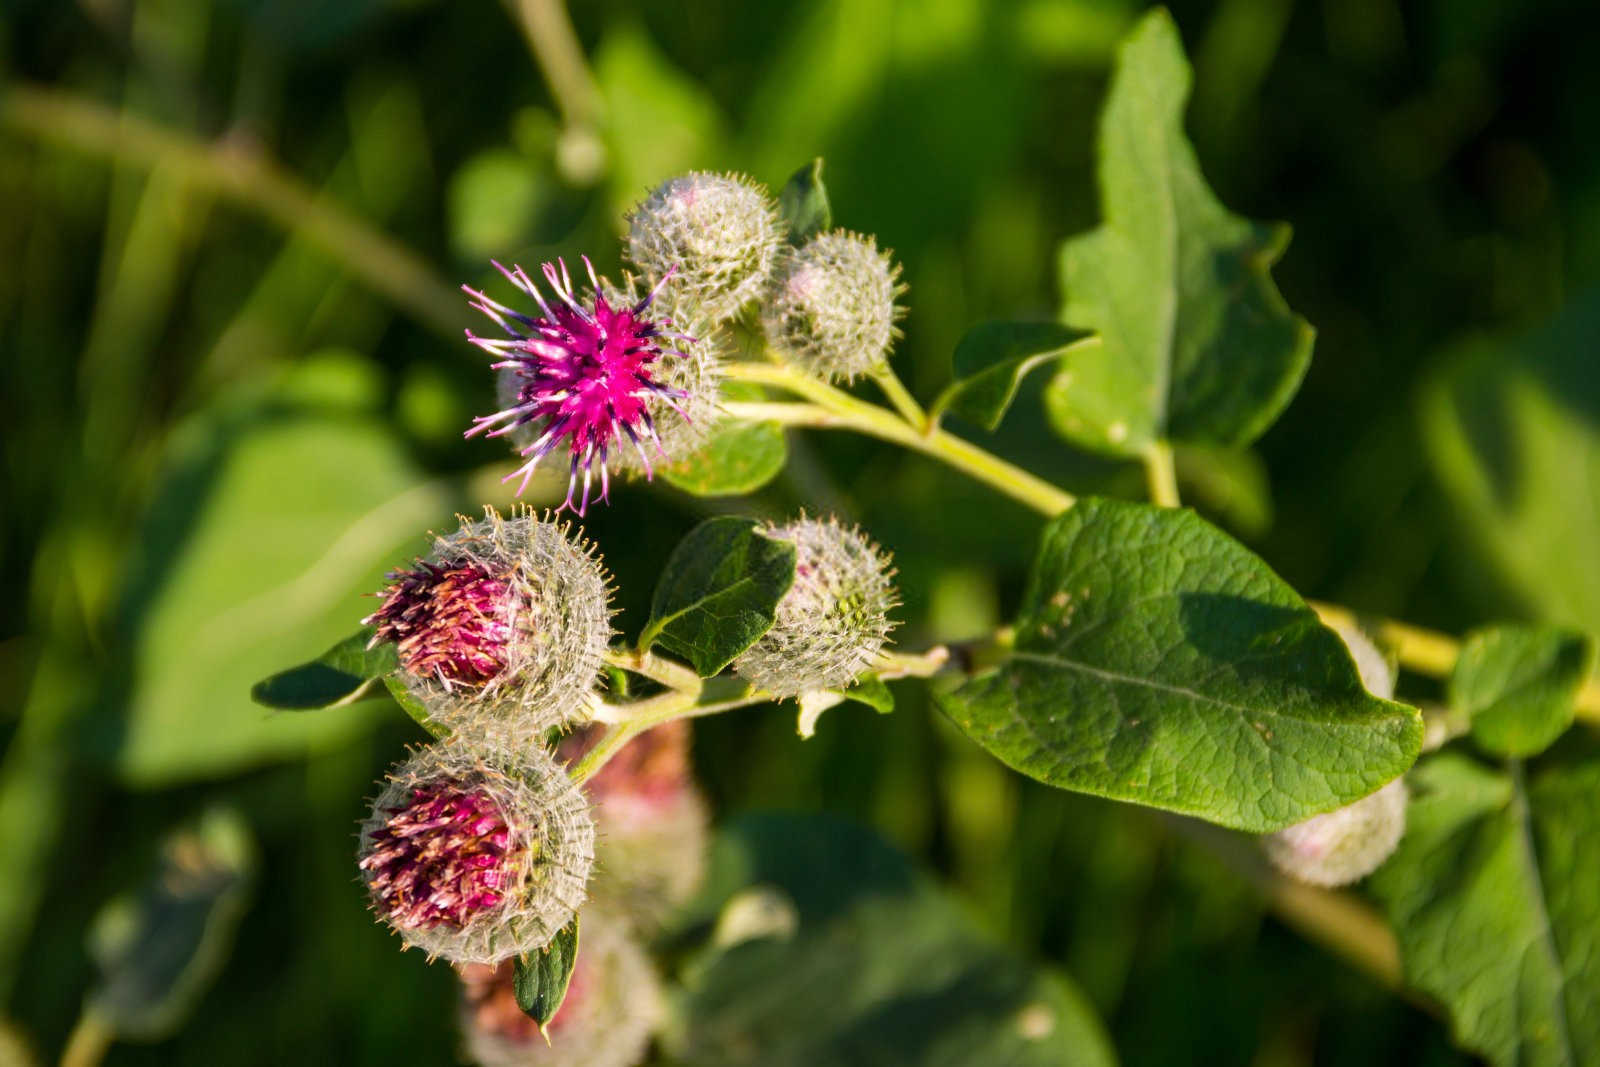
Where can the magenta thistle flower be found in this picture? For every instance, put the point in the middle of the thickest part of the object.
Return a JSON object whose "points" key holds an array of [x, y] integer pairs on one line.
{"points": [[584, 376], [440, 858], [446, 620]]}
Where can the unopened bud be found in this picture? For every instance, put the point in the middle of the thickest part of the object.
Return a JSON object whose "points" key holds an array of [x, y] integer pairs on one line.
{"points": [[831, 309], [833, 622], [717, 233]]}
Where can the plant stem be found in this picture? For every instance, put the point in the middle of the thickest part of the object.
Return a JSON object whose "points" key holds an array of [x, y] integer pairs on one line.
{"points": [[240, 172], [88, 1043], [673, 675], [560, 57], [1161, 475], [901, 398], [853, 414], [1431, 652]]}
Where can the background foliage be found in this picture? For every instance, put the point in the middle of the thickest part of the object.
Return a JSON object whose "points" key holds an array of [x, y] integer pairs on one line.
{"points": [[228, 410]]}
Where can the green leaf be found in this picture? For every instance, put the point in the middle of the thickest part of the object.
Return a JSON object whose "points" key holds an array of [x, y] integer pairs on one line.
{"points": [[1491, 894], [1519, 684], [1159, 662], [416, 709], [157, 951], [990, 362], [803, 203], [819, 921], [739, 457], [275, 516], [869, 689], [718, 592], [341, 675], [541, 978], [1197, 345], [1511, 430]]}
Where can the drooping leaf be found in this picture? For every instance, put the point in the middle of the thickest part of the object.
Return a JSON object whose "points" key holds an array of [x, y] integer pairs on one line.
{"points": [[869, 689], [157, 950], [718, 592], [739, 457], [1492, 896], [341, 675], [1158, 661], [990, 361], [1518, 685], [820, 921], [1512, 430], [541, 977], [1197, 345], [803, 203]]}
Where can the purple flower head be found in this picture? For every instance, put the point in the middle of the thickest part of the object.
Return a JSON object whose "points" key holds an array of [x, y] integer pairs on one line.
{"points": [[441, 858], [584, 375], [477, 855], [448, 620]]}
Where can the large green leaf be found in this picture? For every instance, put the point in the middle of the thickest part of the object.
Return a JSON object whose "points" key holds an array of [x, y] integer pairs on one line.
{"points": [[718, 592], [1492, 895], [1518, 685], [1197, 344], [831, 949], [1513, 430], [990, 361], [1158, 661], [274, 519]]}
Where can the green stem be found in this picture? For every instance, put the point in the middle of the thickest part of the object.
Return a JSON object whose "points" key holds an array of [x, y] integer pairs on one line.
{"points": [[240, 172], [560, 57], [88, 1043], [673, 675], [1161, 475], [851, 413], [901, 398]]}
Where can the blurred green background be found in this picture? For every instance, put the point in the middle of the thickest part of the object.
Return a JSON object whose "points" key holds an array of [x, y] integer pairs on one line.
{"points": [[235, 385]]}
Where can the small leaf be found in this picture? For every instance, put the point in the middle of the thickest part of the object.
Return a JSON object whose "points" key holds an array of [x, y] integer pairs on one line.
{"points": [[1518, 685], [869, 689], [803, 203], [158, 951], [342, 675], [739, 457], [1197, 345], [718, 593], [1491, 895], [411, 705], [1158, 661], [1230, 483], [990, 362], [541, 978]]}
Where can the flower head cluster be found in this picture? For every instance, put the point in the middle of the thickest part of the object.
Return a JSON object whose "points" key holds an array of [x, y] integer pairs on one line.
{"points": [[580, 377], [719, 232], [476, 856], [833, 622], [1345, 845], [613, 1002], [501, 630], [832, 306], [652, 822]]}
